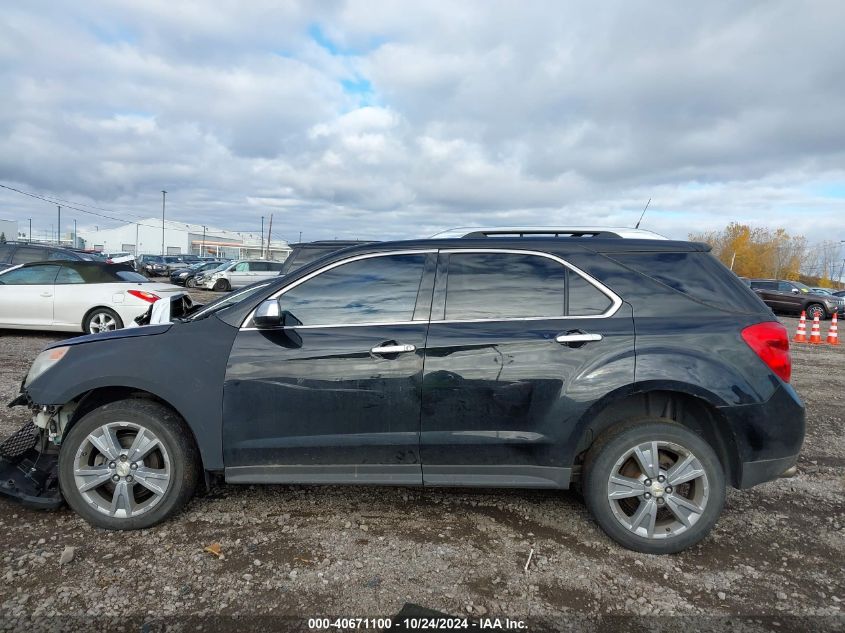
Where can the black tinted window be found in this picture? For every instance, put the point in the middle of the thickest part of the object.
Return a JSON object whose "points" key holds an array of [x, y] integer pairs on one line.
{"points": [[62, 255], [764, 285], [584, 298], [27, 254], [503, 285], [373, 290], [31, 276], [256, 267], [274, 265], [69, 276], [697, 275], [130, 275]]}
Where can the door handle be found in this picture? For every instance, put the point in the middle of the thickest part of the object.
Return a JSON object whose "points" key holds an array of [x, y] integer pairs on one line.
{"points": [[577, 337], [46, 294], [392, 349]]}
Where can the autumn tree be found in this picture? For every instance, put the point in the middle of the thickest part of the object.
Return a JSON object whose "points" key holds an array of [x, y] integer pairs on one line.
{"points": [[757, 251]]}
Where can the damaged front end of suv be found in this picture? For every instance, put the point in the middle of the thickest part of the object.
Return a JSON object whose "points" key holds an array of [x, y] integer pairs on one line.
{"points": [[29, 457]]}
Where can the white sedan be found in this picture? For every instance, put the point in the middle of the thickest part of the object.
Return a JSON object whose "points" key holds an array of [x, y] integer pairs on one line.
{"points": [[70, 296]]}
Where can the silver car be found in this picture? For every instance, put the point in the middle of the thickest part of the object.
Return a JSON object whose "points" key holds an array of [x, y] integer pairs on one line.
{"points": [[238, 273]]}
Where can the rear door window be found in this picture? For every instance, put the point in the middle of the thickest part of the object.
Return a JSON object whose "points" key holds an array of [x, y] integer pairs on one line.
{"points": [[504, 286], [69, 276], [28, 254]]}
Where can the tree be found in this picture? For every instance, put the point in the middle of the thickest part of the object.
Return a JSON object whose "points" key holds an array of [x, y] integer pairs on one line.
{"points": [[757, 252], [2, 238]]}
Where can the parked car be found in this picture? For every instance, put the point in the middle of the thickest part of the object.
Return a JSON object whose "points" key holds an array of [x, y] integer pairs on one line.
{"points": [[121, 257], [150, 265], [821, 291], [187, 276], [362, 368], [840, 293], [793, 297], [306, 252], [14, 253], [74, 296], [237, 274]]}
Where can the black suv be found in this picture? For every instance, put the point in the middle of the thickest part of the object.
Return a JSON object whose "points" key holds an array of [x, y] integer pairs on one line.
{"points": [[14, 253], [793, 297], [641, 370]]}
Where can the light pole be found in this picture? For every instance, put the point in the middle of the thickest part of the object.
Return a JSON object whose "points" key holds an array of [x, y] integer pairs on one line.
{"points": [[74, 234], [262, 237], [163, 197], [59, 227], [29, 236], [202, 249]]}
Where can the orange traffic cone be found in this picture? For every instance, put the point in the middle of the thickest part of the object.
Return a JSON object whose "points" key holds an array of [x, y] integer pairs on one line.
{"points": [[801, 333], [833, 332], [815, 332]]}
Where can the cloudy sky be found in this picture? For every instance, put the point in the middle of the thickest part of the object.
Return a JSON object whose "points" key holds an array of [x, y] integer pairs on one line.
{"points": [[397, 119]]}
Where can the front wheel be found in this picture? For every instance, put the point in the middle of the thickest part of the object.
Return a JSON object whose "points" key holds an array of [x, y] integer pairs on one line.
{"points": [[654, 487], [816, 310], [190, 282], [221, 285], [128, 465]]}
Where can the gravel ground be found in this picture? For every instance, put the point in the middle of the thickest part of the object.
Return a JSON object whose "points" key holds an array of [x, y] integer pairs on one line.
{"points": [[776, 555]]}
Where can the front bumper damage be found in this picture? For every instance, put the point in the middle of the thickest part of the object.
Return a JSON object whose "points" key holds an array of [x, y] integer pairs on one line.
{"points": [[29, 460]]}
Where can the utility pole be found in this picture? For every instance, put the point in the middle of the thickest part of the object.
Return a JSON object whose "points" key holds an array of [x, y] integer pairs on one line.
{"points": [[29, 235], [269, 232], [300, 236], [74, 233], [163, 197], [59, 227], [136, 240], [202, 248], [262, 237]]}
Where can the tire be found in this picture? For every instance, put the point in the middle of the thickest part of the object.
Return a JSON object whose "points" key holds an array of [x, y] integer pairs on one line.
{"points": [[101, 320], [816, 308], [190, 283], [626, 518], [221, 285], [139, 507]]}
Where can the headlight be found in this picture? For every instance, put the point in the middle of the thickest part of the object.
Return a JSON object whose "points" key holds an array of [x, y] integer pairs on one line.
{"points": [[183, 274], [44, 361]]}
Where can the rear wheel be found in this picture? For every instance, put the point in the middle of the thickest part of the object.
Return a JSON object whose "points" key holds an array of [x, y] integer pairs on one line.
{"points": [[101, 320], [816, 310], [128, 465], [190, 282], [654, 487], [221, 285]]}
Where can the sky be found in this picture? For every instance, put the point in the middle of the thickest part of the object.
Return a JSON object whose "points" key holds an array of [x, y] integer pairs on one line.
{"points": [[389, 119]]}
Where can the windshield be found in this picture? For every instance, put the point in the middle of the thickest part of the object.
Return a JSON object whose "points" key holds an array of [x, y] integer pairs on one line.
{"points": [[230, 299], [802, 287], [131, 275]]}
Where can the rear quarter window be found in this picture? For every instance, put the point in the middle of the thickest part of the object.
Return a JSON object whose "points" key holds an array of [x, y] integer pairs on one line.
{"points": [[697, 275]]}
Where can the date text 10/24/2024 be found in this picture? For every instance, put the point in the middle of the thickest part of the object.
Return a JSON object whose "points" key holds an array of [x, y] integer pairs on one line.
{"points": [[418, 624]]}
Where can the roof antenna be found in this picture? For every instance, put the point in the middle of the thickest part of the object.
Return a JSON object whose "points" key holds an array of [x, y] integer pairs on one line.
{"points": [[643, 213]]}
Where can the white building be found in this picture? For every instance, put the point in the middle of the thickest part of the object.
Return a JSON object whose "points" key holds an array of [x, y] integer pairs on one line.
{"points": [[9, 229], [145, 238]]}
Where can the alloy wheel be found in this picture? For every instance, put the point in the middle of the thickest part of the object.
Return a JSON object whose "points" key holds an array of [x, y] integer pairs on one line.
{"points": [[658, 490], [122, 469], [102, 322]]}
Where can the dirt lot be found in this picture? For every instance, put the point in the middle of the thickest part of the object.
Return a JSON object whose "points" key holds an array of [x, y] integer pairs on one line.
{"points": [[778, 550]]}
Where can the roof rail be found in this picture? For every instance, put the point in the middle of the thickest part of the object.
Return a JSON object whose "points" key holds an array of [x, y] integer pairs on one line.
{"points": [[549, 231]]}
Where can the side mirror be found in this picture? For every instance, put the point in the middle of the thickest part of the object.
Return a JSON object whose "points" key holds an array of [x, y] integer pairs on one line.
{"points": [[795, 291], [268, 314]]}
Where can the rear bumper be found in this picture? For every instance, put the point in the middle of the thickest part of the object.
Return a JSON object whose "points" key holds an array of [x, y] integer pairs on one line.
{"points": [[767, 437]]}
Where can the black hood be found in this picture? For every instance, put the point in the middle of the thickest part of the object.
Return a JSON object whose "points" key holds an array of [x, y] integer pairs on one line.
{"points": [[146, 330]]}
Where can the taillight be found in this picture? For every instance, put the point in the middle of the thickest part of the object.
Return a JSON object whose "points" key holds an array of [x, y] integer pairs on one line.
{"points": [[109, 261], [770, 341], [149, 297]]}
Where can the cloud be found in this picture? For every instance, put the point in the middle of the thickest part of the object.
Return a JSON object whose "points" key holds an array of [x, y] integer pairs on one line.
{"points": [[383, 120]]}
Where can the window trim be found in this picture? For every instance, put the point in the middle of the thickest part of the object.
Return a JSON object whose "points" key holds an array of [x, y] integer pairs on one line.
{"points": [[616, 301]]}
